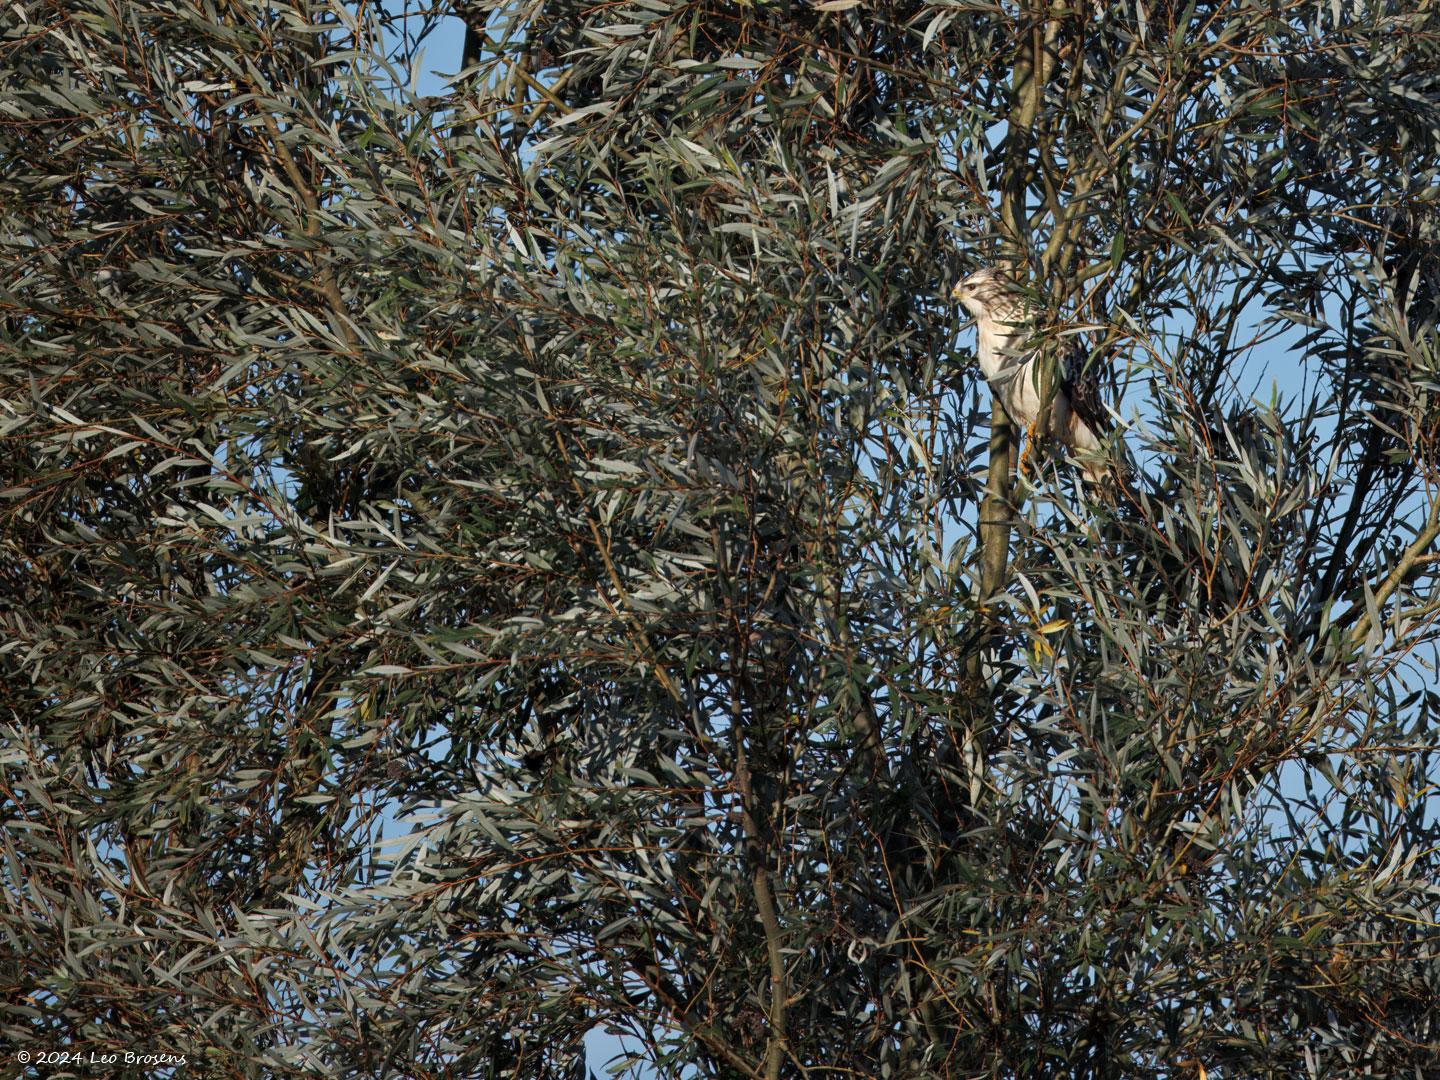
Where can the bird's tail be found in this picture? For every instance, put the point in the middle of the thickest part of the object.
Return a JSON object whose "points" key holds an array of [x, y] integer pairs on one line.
{"points": [[1104, 466], [1100, 463]]}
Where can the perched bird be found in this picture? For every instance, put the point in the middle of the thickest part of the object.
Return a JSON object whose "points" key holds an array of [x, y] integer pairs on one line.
{"points": [[1077, 417]]}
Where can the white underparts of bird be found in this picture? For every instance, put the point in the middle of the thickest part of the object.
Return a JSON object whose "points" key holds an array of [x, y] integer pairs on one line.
{"points": [[1012, 368]]}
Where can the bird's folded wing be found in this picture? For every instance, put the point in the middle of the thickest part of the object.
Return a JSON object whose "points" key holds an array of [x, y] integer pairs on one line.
{"points": [[1080, 379]]}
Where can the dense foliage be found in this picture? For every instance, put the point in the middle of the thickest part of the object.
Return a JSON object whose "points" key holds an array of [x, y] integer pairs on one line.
{"points": [[484, 568]]}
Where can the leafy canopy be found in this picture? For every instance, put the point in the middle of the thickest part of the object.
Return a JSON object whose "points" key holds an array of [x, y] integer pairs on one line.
{"points": [[483, 568]]}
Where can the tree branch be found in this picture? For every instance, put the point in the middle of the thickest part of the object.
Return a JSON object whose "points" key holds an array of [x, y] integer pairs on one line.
{"points": [[1033, 69], [756, 840], [1411, 559]]}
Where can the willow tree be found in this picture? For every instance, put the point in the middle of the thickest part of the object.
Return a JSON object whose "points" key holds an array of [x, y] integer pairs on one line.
{"points": [[490, 567]]}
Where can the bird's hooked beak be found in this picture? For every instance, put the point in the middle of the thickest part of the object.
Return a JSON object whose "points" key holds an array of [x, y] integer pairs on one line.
{"points": [[962, 295]]}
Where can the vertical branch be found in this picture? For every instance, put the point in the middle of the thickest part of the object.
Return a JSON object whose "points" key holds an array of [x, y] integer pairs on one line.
{"points": [[996, 512], [1033, 69], [470, 48], [764, 679], [757, 842]]}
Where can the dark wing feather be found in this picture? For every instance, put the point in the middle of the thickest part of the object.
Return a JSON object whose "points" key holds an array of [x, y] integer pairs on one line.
{"points": [[1080, 379]]}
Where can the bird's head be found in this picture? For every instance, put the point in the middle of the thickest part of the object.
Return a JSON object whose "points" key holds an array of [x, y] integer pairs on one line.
{"points": [[986, 294]]}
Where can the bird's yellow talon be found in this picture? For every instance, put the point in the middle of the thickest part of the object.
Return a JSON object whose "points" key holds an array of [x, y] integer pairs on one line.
{"points": [[1029, 442]]}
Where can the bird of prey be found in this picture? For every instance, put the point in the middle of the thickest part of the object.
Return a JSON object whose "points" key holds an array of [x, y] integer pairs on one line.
{"points": [[1077, 417]]}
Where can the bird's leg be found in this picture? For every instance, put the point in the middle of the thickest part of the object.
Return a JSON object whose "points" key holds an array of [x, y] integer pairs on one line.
{"points": [[1030, 430]]}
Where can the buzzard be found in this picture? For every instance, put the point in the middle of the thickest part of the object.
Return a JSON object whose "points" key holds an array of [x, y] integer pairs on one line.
{"points": [[1077, 416]]}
